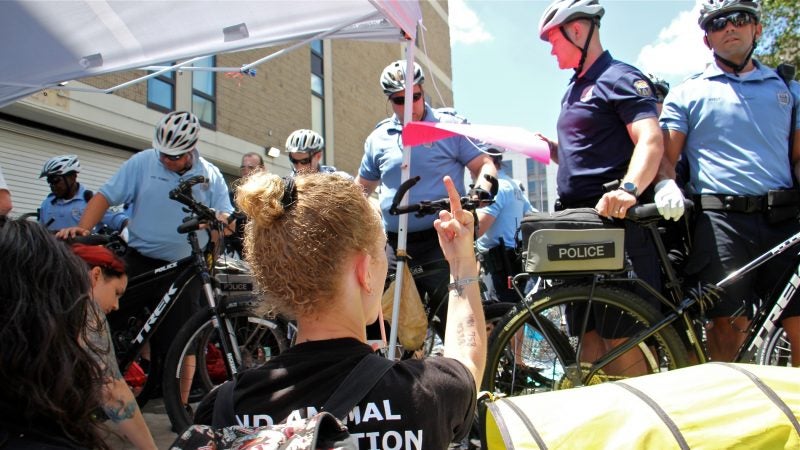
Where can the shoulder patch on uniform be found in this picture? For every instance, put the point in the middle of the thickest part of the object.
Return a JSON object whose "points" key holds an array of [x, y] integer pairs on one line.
{"points": [[784, 98], [388, 119], [449, 115], [643, 88]]}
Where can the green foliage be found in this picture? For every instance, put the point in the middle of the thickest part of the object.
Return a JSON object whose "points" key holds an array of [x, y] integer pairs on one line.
{"points": [[780, 41]]}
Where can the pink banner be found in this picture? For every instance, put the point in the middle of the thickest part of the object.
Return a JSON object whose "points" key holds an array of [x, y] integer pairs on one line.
{"points": [[511, 138]]}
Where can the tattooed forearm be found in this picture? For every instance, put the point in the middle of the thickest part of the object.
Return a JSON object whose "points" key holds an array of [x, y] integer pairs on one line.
{"points": [[466, 334], [121, 411]]}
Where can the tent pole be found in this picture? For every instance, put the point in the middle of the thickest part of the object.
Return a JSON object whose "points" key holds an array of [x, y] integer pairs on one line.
{"points": [[403, 218]]}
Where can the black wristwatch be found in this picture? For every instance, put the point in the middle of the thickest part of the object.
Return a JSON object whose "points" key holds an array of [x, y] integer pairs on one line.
{"points": [[630, 188]]}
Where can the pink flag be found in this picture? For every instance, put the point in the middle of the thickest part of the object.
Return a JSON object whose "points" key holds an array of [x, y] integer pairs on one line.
{"points": [[512, 138]]}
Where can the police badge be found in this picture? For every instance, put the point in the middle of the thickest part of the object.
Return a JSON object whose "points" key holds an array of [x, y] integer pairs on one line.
{"points": [[642, 88]]}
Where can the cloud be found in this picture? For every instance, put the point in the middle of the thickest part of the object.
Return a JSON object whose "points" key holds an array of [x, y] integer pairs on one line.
{"points": [[465, 26], [678, 51]]}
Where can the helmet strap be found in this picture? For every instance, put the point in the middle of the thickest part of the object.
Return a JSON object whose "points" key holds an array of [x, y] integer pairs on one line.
{"points": [[584, 50], [737, 68]]}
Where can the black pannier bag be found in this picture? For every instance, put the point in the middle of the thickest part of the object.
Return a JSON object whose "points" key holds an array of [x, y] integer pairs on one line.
{"points": [[572, 240]]}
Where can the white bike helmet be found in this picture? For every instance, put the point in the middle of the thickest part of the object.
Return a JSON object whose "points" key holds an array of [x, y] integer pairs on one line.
{"points": [[393, 77], [563, 11], [711, 9], [61, 165], [661, 85], [176, 133], [305, 141]]}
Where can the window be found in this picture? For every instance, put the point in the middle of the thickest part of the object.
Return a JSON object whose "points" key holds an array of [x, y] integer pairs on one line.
{"points": [[317, 89], [204, 93], [161, 91]]}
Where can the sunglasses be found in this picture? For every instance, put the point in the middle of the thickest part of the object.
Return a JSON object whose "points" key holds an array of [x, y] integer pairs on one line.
{"points": [[171, 157], [737, 18], [54, 179], [301, 162], [402, 100]]}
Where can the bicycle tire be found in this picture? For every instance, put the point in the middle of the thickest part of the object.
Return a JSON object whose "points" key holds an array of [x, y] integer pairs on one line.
{"points": [[258, 339], [552, 363], [776, 350]]}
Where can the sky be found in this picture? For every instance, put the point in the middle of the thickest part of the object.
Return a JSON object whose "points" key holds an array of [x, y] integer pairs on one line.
{"points": [[503, 74]]}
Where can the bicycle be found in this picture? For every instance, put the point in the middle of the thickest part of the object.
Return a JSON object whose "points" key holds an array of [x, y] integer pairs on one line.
{"points": [[539, 347], [228, 323]]}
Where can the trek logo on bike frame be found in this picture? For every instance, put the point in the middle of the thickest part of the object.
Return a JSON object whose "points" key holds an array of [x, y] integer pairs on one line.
{"points": [[162, 305], [575, 251]]}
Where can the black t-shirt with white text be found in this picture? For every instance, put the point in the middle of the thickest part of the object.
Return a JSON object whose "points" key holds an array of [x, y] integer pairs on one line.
{"points": [[418, 404]]}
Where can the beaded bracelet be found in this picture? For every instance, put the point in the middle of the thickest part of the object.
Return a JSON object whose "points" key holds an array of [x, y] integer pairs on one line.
{"points": [[458, 285]]}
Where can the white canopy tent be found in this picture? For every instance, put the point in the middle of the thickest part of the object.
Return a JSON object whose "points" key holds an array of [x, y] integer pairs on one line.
{"points": [[50, 42]]}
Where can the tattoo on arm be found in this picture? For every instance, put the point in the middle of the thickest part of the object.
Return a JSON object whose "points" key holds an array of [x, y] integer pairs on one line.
{"points": [[466, 333], [120, 411]]}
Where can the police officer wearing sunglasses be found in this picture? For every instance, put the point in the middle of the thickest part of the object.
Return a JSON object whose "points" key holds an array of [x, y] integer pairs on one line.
{"points": [[381, 166], [145, 181], [732, 123], [305, 149], [64, 206]]}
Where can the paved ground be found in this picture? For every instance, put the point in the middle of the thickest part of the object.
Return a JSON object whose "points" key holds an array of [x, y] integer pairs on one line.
{"points": [[157, 420]]}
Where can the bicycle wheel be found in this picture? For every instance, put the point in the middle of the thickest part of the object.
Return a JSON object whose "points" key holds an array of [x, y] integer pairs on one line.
{"points": [[776, 350], [198, 349], [561, 348]]}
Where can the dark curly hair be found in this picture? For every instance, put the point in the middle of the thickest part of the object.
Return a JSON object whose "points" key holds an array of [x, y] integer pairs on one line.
{"points": [[49, 373]]}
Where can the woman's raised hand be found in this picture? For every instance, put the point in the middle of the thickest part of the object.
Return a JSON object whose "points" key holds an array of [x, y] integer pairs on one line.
{"points": [[455, 227]]}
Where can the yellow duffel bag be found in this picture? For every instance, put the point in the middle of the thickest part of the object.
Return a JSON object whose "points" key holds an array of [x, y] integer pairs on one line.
{"points": [[709, 406]]}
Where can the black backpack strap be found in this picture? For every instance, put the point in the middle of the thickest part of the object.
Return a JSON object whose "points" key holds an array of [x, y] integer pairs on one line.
{"points": [[223, 405], [364, 376]]}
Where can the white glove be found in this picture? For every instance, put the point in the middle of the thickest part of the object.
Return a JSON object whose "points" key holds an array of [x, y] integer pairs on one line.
{"points": [[669, 199]]}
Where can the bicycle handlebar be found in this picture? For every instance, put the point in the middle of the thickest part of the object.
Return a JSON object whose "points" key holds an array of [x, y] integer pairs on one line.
{"points": [[428, 207], [183, 194], [647, 211]]}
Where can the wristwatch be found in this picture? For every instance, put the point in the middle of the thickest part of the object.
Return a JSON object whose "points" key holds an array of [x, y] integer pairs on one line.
{"points": [[630, 188]]}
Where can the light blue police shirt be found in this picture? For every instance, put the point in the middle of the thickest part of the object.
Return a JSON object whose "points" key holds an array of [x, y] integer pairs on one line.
{"points": [[154, 218], [510, 204], [736, 129], [57, 213], [383, 158]]}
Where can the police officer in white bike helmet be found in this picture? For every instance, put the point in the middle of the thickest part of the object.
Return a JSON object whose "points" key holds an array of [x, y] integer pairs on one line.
{"points": [[305, 149]]}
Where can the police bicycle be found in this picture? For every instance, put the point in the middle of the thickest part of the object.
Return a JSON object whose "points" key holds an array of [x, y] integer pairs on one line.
{"points": [[225, 336], [545, 344]]}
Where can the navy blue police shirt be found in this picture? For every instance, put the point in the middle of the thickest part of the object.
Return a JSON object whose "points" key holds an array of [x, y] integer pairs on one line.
{"points": [[594, 144]]}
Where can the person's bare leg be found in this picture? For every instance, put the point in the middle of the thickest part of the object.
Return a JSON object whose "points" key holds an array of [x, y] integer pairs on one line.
{"points": [[187, 375], [725, 337], [630, 364]]}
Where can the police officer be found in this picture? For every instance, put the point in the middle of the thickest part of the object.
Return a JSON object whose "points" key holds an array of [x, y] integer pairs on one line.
{"points": [[497, 227], [732, 125], [64, 206], [381, 166]]}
